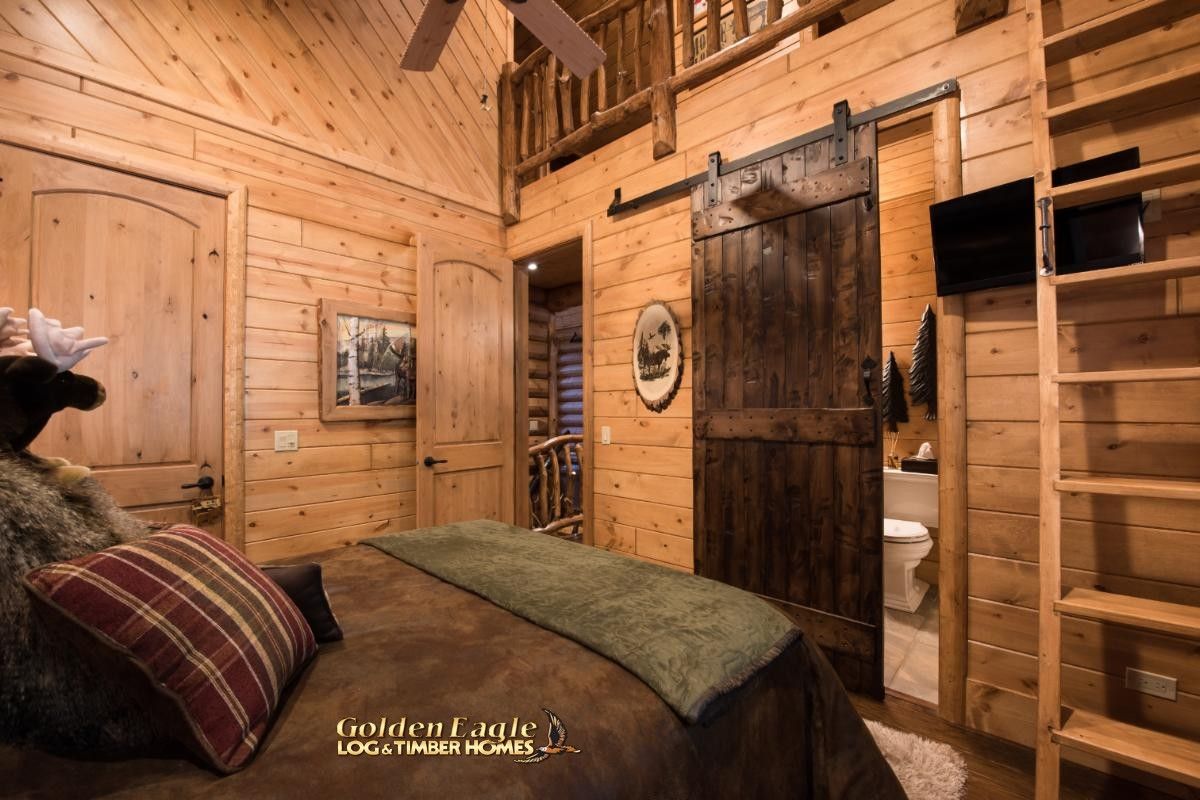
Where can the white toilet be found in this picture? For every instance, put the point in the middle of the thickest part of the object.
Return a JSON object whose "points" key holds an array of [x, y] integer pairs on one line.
{"points": [[910, 508]]}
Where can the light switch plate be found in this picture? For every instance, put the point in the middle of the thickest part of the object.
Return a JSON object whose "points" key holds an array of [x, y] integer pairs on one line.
{"points": [[605, 434], [1151, 683], [287, 441]]}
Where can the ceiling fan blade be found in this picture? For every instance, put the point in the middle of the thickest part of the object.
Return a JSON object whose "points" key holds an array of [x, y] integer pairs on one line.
{"points": [[429, 37], [555, 29]]}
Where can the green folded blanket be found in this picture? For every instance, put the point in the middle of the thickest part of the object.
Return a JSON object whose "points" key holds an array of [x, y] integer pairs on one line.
{"points": [[688, 638]]}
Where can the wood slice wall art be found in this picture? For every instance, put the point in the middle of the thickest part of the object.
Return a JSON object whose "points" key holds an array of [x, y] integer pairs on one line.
{"points": [[367, 362], [657, 356]]}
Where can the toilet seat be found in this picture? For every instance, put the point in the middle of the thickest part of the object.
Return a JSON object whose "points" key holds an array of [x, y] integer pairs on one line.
{"points": [[903, 530]]}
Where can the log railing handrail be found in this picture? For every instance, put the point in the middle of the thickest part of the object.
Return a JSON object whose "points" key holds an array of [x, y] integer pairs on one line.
{"points": [[547, 126], [557, 502]]}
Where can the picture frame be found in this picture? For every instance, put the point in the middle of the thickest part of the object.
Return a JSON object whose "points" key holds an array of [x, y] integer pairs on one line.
{"points": [[377, 379], [657, 356]]}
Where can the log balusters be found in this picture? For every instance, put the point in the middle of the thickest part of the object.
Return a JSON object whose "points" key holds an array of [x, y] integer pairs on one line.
{"points": [[541, 97], [556, 486]]}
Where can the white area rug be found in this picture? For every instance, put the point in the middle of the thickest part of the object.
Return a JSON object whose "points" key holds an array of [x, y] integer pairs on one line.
{"points": [[927, 770]]}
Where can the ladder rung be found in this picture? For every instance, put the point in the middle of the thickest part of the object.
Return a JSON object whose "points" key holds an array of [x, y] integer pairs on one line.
{"points": [[1164, 755], [1130, 375], [1160, 91], [1160, 488], [1132, 612], [1115, 276], [1133, 181], [1124, 23]]}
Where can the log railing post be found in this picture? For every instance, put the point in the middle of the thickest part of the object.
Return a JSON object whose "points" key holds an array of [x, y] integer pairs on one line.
{"points": [[510, 208], [551, 99], [601, 77], [713, 33], [662, 66], [687, 13]]}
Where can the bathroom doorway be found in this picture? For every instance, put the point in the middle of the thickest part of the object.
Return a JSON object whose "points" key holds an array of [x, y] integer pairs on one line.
{"points": [[910, 428], [553, 311]]}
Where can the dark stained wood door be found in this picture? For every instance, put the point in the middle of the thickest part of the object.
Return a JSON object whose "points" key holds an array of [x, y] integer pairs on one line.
{"points": [[787, 451]]}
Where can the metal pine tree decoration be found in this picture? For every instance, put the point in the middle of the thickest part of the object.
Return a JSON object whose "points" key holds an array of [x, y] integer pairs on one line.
{"points": [[922, 373], [893, 407]]}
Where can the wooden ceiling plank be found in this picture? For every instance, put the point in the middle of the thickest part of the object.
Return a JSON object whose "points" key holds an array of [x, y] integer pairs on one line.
{"points": [[103, 43], [209, 70], [168, 67]]}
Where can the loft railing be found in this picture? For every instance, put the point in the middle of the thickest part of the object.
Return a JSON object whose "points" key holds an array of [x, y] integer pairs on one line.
{"points": [[547, 113], [556, 486]]}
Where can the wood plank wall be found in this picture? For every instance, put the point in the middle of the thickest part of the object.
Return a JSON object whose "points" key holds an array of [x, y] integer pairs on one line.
{"points": [[318, 227], [906, 251], [643, 494], [323, 72]]}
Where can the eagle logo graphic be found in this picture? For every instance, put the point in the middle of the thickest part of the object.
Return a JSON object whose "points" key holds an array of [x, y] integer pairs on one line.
{"points": [[556, 741]]}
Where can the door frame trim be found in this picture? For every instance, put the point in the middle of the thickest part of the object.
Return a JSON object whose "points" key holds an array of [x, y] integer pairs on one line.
{"points": [[236, 198], [583, 232], [951, 428]]}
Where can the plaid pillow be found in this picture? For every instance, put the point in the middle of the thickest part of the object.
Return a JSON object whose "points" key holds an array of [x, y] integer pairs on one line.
{"points": [[218, 640]]}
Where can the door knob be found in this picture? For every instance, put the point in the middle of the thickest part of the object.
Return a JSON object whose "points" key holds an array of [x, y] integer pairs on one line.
{"points": [[204, 483], [430, 461]]}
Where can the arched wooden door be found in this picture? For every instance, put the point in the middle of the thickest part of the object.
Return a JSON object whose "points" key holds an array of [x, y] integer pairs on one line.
{"points": [[465, 384], [142, 263]]}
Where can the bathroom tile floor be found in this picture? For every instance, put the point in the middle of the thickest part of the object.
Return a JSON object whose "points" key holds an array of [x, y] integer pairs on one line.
{"points": [[910, 649]]}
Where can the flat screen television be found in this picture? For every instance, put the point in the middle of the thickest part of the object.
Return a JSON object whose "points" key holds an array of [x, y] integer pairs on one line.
{"points": [[984, 239], [1098, 235], [988, 238]]}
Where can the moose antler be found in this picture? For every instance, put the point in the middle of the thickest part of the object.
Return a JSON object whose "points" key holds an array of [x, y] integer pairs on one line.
{"points": [[14, 335], [62, 347]]}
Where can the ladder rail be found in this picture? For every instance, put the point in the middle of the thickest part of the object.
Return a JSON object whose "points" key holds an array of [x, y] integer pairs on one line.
{"points": [[1049, 704]]}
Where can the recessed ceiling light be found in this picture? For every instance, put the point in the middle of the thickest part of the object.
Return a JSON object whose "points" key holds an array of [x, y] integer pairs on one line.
{"points": [[531, 266]]}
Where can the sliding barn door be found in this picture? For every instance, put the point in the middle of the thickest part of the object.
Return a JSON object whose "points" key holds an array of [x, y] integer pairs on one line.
{"points": [[465, 386], [142, 263], [788, 461]]}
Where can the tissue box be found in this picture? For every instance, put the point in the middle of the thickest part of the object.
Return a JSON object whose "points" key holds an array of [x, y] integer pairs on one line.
{"points": [[927, 466]]}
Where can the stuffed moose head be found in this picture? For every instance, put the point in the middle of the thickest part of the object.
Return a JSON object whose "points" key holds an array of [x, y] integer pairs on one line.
{"points": [[35, 379]]}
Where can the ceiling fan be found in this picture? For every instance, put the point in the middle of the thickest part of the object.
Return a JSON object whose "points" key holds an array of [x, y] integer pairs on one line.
{"points": [[544, 19]]}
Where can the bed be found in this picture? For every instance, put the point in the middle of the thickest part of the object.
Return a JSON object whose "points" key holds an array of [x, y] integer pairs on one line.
{"points": [[418, 648]]}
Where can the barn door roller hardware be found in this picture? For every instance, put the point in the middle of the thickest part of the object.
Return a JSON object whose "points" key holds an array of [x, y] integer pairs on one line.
{"points": [[843, 120]]}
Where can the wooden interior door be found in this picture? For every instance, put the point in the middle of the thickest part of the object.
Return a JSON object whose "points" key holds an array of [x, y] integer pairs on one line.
{"points": [[465, 384], [787, 452], [142, 263]]}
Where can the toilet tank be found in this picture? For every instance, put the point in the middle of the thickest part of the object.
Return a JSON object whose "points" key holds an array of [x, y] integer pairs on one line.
{"points": [[910, 495]]}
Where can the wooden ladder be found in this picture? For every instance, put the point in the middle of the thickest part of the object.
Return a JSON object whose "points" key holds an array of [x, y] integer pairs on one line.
{"points": [[1167, 756]]}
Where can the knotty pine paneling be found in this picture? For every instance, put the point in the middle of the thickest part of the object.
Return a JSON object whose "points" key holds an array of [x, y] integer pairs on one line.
{"points": [[322, 73], [792, 91], [318, 227]]}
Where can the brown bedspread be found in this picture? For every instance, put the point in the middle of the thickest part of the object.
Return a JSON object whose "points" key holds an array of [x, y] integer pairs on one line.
{"points": [[420, 648]]}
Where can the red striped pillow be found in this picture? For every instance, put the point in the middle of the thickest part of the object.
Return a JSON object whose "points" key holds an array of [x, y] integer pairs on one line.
{"points": [[218, 639]]}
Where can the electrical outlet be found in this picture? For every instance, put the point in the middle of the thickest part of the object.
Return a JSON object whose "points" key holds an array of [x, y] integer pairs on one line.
{"points": [[605, 434], [1150, 683], [287, 441]]}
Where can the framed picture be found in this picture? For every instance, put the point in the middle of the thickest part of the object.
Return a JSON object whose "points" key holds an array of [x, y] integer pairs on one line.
{"points": [[367, 362], [657, 356]]}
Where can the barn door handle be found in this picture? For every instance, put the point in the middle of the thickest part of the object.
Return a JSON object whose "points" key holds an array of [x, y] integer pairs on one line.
{"points": [[430, 461], [204, 483], [868, 369]]}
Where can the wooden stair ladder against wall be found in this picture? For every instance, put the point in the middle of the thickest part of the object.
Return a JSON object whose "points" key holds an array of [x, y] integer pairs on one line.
{"points": [[1167, 756]]}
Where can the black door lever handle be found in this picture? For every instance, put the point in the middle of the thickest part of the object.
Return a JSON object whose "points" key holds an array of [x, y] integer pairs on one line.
{"points": [[204, 483], [430, 461]]}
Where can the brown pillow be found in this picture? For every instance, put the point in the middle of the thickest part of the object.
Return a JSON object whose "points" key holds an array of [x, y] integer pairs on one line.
{"points": [[215, 640], [302, 583]]}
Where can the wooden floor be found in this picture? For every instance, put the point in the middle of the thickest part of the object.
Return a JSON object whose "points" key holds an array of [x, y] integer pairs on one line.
{"points": [[997, 769]]}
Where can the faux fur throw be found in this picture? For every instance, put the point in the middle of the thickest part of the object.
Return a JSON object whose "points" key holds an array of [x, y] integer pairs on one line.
{"points": [[48, 696]]}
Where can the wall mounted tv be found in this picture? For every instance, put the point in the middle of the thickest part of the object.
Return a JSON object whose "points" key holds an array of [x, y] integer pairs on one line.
{"points": [[988, 238]]}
